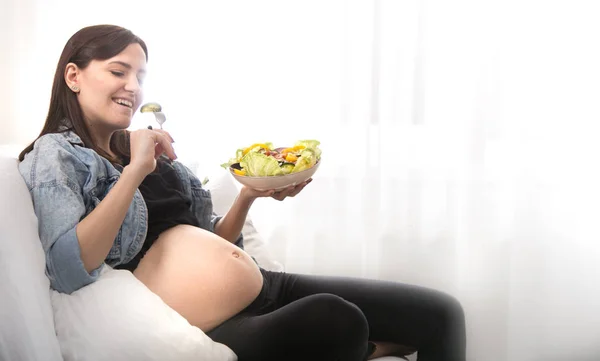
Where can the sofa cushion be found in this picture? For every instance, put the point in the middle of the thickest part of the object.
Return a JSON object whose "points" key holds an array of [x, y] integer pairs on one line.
{"points": [[27, 324], [119, 318]]}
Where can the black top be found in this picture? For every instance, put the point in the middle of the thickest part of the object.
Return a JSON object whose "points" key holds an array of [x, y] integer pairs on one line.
{"points": [[167, 206]]}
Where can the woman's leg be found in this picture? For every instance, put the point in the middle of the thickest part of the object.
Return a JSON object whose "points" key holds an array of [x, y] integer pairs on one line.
{"points": [[318, 327], [428, 320]]}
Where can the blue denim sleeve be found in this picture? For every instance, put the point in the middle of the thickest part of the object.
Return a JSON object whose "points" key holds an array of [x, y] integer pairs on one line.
{"points": [[59, 206], [58, 209], [57, 229]]}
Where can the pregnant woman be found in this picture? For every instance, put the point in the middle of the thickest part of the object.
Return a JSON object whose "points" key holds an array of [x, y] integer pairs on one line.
{"points": [[107, 196]]}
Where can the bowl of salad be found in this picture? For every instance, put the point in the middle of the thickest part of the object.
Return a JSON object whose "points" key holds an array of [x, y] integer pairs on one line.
{"points": [[264, 167]]}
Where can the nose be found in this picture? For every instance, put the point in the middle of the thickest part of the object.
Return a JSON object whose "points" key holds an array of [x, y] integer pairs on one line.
{"points": [[133, 84]]}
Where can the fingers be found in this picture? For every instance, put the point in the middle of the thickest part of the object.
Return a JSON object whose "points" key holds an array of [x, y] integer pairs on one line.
{"points": [[278, 195], [266, 193], [290, 191], [165, 133], [299, 188], [162, 132], [163, 144], [251, 193]]}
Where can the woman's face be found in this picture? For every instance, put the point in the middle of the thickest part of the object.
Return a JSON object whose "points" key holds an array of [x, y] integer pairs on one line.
{"points": [[110, 91]]}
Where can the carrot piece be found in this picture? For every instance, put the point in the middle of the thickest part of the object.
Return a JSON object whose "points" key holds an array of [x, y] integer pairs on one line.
{"points": [[291, 158]]}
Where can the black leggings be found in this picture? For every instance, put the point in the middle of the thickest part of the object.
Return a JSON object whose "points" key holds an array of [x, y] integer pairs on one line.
{"points": [[301, 317]]}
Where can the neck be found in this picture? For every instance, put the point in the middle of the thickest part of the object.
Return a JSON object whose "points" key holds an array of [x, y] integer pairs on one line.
{"points": [[103, 142], [101, 138]]}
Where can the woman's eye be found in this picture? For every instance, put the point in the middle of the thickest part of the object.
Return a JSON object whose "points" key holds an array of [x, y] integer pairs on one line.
{"points": [[117, 73]]}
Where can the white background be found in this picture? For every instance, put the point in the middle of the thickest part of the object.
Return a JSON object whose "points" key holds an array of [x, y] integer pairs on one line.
{"points": [[459, 138]]}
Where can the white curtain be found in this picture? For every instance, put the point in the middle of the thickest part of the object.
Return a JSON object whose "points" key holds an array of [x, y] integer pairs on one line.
{"points": [[459, 139]]}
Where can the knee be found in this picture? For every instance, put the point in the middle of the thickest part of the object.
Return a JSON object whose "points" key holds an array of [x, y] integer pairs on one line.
{"points": [[342, 318], [450, 312]]}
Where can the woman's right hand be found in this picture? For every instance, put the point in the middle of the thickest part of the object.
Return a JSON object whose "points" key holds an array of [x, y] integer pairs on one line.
{"points": [[146, 145]]}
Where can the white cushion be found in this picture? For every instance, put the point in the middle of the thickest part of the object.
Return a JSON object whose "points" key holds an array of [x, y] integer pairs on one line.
{"points": [[118, 318], [26, 320]]}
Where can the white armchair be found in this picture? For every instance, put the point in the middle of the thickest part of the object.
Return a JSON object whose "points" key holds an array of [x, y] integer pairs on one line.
{"points": [[116, 318]]}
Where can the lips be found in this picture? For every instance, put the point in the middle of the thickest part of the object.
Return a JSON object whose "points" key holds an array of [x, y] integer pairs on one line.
{"points": [[124, 102]]}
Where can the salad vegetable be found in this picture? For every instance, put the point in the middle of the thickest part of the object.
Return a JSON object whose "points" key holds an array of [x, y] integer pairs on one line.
{"points": [[261, 159]]}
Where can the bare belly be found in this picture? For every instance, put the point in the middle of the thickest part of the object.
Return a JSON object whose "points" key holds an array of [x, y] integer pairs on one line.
{"points": [[200, 275]]}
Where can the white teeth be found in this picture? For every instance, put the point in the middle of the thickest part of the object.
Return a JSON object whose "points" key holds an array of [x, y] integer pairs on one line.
{"points": [[124, 102]]}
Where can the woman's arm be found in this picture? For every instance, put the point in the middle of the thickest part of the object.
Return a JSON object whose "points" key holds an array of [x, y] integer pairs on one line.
{"points": [[230, 226], [96, 232], [56, 176], [76, 243]]}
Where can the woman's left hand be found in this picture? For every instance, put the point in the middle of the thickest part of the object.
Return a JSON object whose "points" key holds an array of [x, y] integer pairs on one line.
{"points": [[279, 195]]}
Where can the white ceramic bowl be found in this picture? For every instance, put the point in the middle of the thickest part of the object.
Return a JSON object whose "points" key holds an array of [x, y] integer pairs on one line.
{"points": [[275, 182]]}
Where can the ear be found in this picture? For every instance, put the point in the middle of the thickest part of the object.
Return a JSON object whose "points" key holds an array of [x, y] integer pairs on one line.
{"points": [[72, 74]]}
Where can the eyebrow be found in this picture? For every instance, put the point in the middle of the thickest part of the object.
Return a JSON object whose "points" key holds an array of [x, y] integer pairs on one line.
{"points": [[126, 65]]}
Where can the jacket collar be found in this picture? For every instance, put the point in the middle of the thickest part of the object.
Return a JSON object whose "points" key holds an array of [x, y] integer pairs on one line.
{"points": [[66, 129], [72, 137]]}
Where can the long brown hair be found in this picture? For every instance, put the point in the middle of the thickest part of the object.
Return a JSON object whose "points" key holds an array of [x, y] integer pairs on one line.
{"points": [[98, 42]]}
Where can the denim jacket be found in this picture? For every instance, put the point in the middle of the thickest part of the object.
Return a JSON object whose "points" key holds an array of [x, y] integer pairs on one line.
{"points": [[66, 182]]}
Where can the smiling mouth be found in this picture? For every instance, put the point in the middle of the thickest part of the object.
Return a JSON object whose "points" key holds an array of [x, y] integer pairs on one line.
{"points": [[124, 102]]}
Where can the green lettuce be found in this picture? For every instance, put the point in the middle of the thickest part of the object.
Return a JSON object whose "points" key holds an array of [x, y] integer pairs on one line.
{"points": [[256, 164], [309, 155], [259, 165], [238, 157], [311, 144], [306, 160]]}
